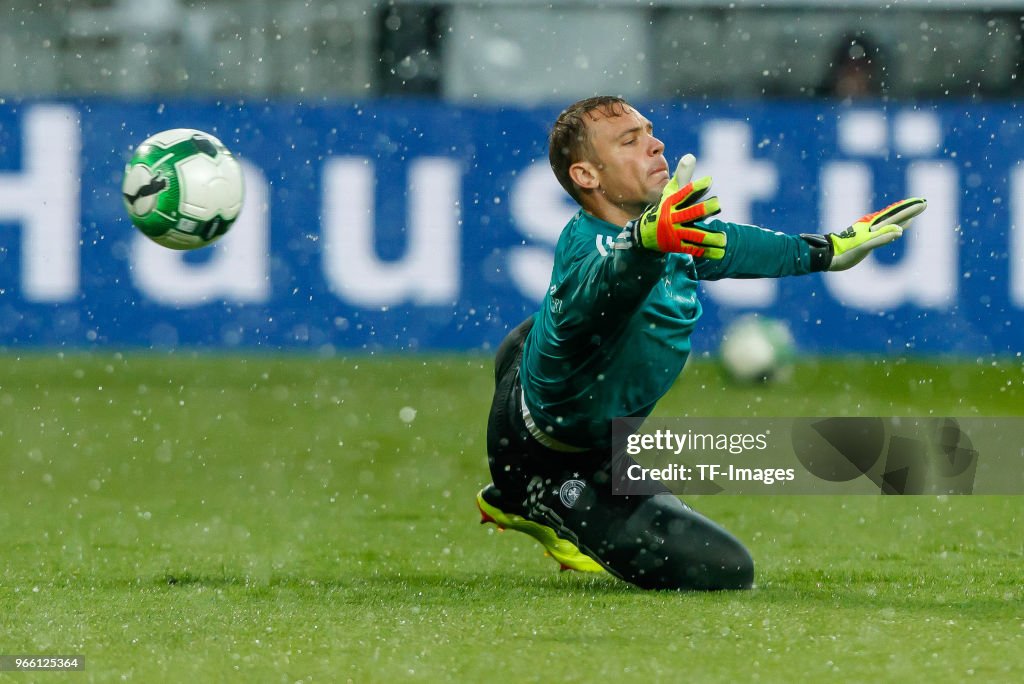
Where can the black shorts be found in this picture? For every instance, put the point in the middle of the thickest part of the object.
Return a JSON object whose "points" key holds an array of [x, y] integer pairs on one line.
{"points": [[513, 454]]}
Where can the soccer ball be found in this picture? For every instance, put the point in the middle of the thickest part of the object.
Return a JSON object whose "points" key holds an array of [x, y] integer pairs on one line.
{"points": [[183, 188], [757, 349]]}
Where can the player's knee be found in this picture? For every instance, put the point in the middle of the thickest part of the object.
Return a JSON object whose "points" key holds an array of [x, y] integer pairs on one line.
{"points": [[734, 570], [697, 554], [724, 564]]}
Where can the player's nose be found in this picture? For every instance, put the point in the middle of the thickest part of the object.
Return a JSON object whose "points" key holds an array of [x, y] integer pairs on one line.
{"points": [[657, 147]]}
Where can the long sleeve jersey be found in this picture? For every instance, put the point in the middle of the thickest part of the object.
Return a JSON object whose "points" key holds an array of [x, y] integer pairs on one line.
{"points": [[613, 331]]}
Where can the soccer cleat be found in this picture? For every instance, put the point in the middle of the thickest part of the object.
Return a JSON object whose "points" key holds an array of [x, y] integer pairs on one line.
{"points": [[654, 541], [561, 550]]}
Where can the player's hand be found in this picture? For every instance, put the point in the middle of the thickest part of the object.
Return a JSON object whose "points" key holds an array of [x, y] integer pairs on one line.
{"points": [[871, 232], [669, 225]]}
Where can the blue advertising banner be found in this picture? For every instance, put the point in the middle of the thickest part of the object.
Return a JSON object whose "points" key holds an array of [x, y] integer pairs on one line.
{"points": [[394, 225]]}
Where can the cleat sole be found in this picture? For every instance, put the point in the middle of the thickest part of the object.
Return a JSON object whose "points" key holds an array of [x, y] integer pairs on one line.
{"points": [[564, 552]]}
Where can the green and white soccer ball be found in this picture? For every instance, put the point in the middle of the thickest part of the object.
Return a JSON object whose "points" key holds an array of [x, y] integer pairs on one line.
{"points": [[183, 188], [757, 349]]}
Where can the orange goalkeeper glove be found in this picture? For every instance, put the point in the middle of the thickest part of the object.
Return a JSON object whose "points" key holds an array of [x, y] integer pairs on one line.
{"points": [[669, 226]]}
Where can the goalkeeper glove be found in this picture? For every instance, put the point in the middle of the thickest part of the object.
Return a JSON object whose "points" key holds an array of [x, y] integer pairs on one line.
{"points": [[840, 251], [669, 225]]}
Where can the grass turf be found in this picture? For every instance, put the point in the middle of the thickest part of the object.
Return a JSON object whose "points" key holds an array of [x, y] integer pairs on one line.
{"points": [[221, 518]]}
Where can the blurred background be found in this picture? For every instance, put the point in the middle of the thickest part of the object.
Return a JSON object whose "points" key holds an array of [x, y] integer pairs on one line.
{"points": [[505, 51], [395, 157]]}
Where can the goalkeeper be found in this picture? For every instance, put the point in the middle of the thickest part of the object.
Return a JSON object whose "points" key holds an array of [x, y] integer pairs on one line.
{"points": [[611, 337]]}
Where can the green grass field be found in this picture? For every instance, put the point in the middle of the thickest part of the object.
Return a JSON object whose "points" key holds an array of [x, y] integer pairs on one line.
{"points": [[217, 518]]}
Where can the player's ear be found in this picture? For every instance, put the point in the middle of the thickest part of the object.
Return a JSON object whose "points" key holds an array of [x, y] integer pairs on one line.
{"points": [[584, 174]]}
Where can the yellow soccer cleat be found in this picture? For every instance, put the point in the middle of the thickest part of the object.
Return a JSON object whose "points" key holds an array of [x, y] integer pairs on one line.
{"points": [[563, 551]]}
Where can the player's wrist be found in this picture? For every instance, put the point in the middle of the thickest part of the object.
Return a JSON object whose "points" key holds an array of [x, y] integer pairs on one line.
{"points": [[821, 250], [635, 228]]}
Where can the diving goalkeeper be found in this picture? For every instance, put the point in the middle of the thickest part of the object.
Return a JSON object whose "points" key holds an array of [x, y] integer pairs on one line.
{"points": [[611, 337]]}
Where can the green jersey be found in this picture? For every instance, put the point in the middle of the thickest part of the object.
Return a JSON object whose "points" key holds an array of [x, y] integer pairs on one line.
{"points": [[613, 332]]}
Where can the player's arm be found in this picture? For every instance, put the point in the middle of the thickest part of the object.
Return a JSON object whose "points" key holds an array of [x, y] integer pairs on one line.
{"points": [[602, 288], [760, 253], [613, 286]]}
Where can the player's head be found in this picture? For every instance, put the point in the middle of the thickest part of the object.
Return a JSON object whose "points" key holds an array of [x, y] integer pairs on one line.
{"points": [[604, 153]]}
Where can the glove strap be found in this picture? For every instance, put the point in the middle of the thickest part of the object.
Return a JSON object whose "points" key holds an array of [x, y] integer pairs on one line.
{"points": [[821, 251], [634, 229]]}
